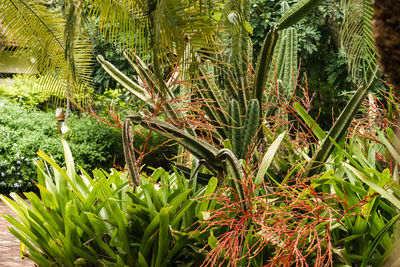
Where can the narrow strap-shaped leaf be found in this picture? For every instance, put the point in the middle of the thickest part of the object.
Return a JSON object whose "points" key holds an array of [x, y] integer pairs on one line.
{"points": [[140, 67], [69, 161], [338, 129], [378, 239], [363, 177], [153, 81], [212, 185], [147, 241], [177, 248], [393, 146], [311, 123], [39, 258], [75, 188], [163, 236], [268, 157]]}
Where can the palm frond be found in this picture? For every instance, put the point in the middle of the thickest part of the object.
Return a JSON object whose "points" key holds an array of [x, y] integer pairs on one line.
{"points": [[357, 40], [37, 33], [148, 27]]}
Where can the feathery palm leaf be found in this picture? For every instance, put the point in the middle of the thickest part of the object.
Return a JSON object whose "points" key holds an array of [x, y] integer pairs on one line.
{"points": [[149, 26], [357, 40], [37, 33]]}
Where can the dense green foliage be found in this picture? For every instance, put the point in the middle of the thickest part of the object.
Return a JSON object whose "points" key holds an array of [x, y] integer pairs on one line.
{"points": [[25, 131], [25, 89], [274, 190], [169, 218], [101, 79], [322, 64], [101, 220]]}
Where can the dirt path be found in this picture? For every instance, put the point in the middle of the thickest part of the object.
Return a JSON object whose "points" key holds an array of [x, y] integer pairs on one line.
{"points": [[9, 245]]}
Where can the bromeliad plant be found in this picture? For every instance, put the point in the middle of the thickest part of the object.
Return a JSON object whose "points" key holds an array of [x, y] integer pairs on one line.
{"points": [[77, 220], [358, 170], [344, 215], [101, 220]]}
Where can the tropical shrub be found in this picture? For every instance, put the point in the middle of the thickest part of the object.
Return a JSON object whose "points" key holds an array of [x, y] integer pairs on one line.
{"points": [[99, 145], [360, 170], [24, 89], [102, 220], [24, 131], [113, 99]]}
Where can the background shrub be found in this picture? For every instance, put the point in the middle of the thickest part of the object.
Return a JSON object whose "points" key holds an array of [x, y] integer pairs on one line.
{"points": [[26, 90], [23, 131], [94, 145]]}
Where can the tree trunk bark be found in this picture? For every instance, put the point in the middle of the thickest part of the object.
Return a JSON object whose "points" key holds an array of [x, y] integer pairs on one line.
{"points": [[387, 39], [386, 31]]}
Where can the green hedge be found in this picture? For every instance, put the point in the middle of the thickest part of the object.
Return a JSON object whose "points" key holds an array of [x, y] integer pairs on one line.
{"points": [[24, 131]]}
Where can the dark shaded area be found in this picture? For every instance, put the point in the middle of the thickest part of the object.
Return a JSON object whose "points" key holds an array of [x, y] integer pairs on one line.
{"points": [[387, 39]]}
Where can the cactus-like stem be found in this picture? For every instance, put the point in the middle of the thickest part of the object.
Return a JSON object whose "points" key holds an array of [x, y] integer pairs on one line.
{"points": [[297, 12], [235, 127], [250, 126], [129, 153]]}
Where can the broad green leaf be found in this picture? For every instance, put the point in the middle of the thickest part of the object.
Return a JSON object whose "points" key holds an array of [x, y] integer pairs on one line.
{"points": [[163, 236], [212, 185]]}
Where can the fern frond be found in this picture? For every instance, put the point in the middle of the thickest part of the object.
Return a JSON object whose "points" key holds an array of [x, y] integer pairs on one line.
{"points": [[357, 39]]}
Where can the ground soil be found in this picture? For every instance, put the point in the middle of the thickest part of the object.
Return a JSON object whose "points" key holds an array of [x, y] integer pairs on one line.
{"points": [[9, 245]]}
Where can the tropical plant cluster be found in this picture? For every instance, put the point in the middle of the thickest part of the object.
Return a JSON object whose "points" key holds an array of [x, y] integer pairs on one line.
{"points": [[258, 182], [346, 214], [100, 220]]}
